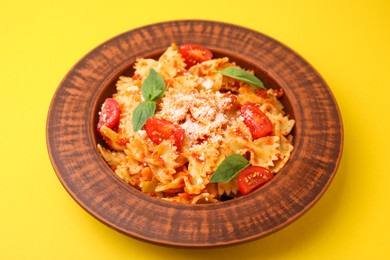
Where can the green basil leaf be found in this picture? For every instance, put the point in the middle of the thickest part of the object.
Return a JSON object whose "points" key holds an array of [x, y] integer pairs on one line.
{"points": [[242, 75], [153, 86], [141, 113], [229, 168]]}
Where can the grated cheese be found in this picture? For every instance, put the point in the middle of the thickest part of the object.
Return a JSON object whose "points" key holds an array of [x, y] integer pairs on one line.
{"points": [[208, 84]]}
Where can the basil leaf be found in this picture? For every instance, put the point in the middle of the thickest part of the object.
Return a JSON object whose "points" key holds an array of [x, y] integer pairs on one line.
{"points": [[153, 86], [229, 168], [141, 113], [242, 75]]}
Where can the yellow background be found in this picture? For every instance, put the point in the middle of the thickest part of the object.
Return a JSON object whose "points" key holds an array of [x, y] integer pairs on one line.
{"points": [[346, 41]]}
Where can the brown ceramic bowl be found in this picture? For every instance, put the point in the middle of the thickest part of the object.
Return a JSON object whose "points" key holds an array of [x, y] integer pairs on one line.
{"points": [[72, 139]]}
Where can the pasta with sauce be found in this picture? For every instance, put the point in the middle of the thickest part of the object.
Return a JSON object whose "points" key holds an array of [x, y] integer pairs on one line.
{"points": [[205, 106]]}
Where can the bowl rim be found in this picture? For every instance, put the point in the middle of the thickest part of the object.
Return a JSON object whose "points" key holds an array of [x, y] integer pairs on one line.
{"points": [[61, 145]]}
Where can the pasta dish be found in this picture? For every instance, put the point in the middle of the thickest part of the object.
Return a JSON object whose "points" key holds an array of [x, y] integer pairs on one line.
{"points": [[190, 128]]}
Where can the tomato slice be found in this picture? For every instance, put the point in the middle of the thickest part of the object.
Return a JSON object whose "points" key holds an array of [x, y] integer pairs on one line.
{"points": [[252, 178], [194, 54], [258, 123], [109, 114], [159, 130]]}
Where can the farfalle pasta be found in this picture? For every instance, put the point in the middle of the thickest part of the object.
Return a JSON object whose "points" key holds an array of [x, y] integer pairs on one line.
{"points": [[203, 110]]}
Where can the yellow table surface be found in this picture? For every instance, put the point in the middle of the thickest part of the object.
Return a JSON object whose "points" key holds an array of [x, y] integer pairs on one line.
{"points": [[346, 41]]}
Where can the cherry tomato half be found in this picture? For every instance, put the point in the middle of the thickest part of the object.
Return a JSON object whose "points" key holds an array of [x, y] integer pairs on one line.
{"points": [[109, 114], [194, 54], [159, 130], [258, 123], [252, 178]]}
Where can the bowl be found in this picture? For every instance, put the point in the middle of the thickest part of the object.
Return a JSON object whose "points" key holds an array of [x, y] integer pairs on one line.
{"points": [[72, 139]]}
